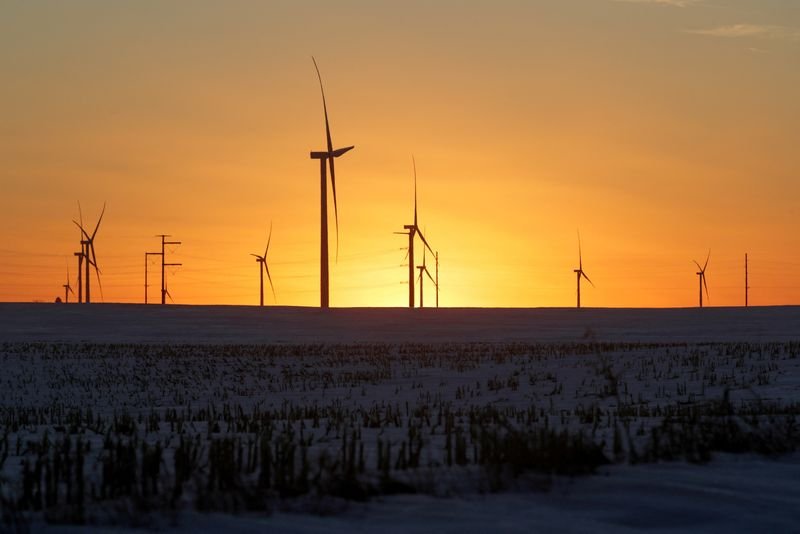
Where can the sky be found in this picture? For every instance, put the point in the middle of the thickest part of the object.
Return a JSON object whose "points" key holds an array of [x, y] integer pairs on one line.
{"points": [[658, 129]]}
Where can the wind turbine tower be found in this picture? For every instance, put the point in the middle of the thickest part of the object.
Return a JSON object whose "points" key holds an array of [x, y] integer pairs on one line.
{"points": [[326, 158], [80, 266]]}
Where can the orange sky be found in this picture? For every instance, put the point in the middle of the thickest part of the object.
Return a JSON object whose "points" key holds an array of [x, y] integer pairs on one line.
{"points": [[659, 128]]}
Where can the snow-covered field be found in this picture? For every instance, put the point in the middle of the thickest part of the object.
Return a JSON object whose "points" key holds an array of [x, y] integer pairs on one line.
{"points": [[116, 323], [300, 420]]}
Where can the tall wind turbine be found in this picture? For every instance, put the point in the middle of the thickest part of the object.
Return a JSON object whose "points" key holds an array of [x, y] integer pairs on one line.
{"points": [[326, 158], [412, 231], [423, 269], [579, 271], [262, 268], [89, 254], [67, 288], [702, 277]]}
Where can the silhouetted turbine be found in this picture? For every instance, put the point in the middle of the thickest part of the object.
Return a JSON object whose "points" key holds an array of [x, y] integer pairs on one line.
{"points": [[67, 288], [702, 277], [262, 261], [326, 158], [579, 271], [87, 244], [412, 231], [423, 269]]}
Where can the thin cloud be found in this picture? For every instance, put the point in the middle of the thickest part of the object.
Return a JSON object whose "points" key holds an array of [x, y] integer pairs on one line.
{"points": [[755, 31], [673, 3]]}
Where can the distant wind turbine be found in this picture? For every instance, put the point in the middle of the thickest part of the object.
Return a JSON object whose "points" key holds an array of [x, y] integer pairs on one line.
{"points": [[326, 158], [423, 269], [579, 271], [67, 288], [702, 277], [412, 231], [87, 243], [262, 268]]}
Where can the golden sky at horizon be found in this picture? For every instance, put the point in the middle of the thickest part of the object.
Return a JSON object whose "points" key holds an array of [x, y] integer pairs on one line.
{"points": [[661, 129]]}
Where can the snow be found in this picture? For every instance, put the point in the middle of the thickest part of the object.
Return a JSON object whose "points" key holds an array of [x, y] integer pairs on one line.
{"points": [[117, 323], [383, 361], [734, 494]]}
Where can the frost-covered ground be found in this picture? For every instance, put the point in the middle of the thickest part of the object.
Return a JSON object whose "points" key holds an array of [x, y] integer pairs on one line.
{"points": [[245, 419]]}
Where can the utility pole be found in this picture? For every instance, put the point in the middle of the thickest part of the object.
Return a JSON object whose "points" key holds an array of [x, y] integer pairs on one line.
{"points": [[164, 242], [746, 285], [437, 278], [146, 258]]}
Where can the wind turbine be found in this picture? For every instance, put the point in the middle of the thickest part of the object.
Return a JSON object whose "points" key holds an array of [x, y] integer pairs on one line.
{"points": [[424, 269], [87, 245], [702, 277], [326, 158], [67, 288], [412, 231], [579, 271], [262, 261]]}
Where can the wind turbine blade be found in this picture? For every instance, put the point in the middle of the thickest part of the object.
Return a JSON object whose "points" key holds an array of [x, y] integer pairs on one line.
{"points": [[706, 263], [703, 276], [268, 240], [99, 220], [587, 278], [580, 257], [94, 256], [335, 206], [80, 215], [324, 107], [260, 258], [340, 151], [266, 268], [414, 163], [97, 275], [429, 275], [81, 228], [419, 233], [698, 265], [169, 295]]}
